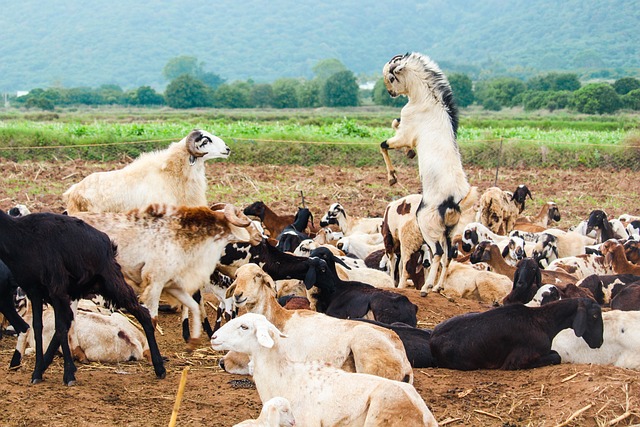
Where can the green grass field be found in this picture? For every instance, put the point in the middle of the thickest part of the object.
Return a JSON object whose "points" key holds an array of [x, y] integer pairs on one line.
{"points": [[327, 136]]}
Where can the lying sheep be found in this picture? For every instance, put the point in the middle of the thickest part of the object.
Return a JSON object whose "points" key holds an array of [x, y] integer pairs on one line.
{"points": [[174, 176], [500, 209], [276, 412], [319, 394], [350, 224]]}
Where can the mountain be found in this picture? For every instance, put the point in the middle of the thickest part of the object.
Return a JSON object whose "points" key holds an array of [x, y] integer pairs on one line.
{"points": [[76, 43]]}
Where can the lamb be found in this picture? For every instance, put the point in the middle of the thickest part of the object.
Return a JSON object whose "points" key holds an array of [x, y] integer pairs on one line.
{"points": [[58, 259], [272, 221], [350, 224], [476, 232], [349, 299], [172, 250], [103, 337], [514, 336], [276, 412], [621, 340], [173, 176], [353, 346], [499, 209], [317, 392], [549, 213], [544, 295], [430, 122]]}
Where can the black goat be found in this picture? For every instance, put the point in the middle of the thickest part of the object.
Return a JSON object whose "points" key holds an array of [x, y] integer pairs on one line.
{"points": [[56, 259], [628, 299], [514, 336], [293, 234], [350, 299], [8, 287], [415, 341], [604, 230]]}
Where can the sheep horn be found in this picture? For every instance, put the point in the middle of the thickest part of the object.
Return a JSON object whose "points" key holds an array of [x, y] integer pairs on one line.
{"points": [[193, 137], [235, 216], [218, 206]]}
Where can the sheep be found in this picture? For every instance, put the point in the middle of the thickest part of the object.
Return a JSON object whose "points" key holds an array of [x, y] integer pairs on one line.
{"points": [[632, 251], [581, 266], [173, 176], [392, 177], [604, 228], [319, 393], [476, 232], [464, 281], [549, 213], [513, 336], [499, 209], [490, 253], [19, 210], [360, 244], [615, 258], [349, 299], [527, 279], [545, 294], [606, 287], [430, 122], [326, 235], [346, 344], [102, 337], [306, 246], [276, 412], [350, 224], [273, 222], [56, 259], [633, 229], [293, 234], [558, 244], [172, 250], [619, 347]]}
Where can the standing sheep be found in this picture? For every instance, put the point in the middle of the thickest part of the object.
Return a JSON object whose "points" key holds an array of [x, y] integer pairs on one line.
{"points": [[174, 176]]}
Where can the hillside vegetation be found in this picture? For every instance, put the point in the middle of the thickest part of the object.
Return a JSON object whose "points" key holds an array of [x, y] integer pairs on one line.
{"points": [[72, 43]]}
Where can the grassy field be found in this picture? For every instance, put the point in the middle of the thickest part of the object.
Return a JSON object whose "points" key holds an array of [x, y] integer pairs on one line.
{"points": [[321, 136]]}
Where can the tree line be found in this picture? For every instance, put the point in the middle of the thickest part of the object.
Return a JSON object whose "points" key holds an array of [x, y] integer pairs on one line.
{"points": [[191, 86]]}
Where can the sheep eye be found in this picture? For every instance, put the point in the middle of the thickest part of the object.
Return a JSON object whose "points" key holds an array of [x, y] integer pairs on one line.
{"points": [[245, 327], [392, 79]]}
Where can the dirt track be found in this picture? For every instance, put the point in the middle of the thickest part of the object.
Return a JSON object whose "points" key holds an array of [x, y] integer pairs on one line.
{"points": [[129, 394]]}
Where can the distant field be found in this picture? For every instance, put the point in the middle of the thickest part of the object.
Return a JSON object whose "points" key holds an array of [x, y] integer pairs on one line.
{"points": [[322, 136]]}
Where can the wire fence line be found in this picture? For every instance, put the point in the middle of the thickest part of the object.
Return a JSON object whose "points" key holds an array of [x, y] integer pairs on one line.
{"points": [[504, 152]]}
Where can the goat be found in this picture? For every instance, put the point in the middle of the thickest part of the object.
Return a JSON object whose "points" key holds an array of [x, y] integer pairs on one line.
{"points": [[513, 336], [293, 234], [102, 337], [499, 209], [528, 279], [276, 412], [349, 345], [58, 259], [172, 250], [549, 213], [490, 253], [270, 220], [615, 258], [372, 400], [350, 224], [621, 340], [545, 294], [349, 299], [173, 176], [604, 228], [633, 229], [430, 122]]}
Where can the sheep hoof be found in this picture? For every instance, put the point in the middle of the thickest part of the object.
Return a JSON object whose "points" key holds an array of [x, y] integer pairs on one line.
{"points": [[411, 153], [36, 380], [193, 344], [423, 294], [71, 383]]}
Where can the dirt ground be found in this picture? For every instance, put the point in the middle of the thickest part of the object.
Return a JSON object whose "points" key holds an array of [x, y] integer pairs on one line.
{"points": [[129, 394]]}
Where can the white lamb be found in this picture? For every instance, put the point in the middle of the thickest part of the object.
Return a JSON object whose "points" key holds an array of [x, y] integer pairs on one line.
{"points": [[275, 412], [173, 176], [320, 395]]}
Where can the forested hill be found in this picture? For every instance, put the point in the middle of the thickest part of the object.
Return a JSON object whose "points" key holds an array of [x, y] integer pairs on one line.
{"points": [[79, 43]]}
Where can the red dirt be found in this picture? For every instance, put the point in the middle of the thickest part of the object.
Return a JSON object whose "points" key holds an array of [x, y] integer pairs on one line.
{"points": [[129, 393]]}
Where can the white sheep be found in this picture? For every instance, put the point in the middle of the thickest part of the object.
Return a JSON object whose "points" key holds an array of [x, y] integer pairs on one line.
{"points": [[350, 224], [319, 393], [173, 176], [172, 251], [620, 346], [276, 412], [430, 121], [360, 245], [464, 281]]}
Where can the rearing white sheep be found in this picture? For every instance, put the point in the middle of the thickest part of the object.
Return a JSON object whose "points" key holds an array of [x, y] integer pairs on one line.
{"points": [[430, 122], [173, 176]]}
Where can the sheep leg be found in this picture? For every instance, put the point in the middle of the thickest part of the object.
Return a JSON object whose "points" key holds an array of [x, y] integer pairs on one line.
{"points": [[193, 307], [392, 177], [36, 308], [63, 316]]}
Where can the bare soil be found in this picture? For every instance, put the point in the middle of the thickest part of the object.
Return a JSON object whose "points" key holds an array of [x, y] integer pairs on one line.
{"points": [[129, 394]]}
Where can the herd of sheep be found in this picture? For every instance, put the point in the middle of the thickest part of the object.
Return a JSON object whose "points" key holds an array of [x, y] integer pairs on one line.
{"points": [[132, 237]]}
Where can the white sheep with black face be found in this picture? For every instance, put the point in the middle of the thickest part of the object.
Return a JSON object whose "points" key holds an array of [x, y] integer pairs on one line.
{"points": [[429, 121], [173, 176]]}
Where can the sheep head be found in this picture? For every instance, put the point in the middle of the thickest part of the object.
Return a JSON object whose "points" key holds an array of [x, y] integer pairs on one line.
{"points": [[391, 71], [245, 333], [201, 143]]}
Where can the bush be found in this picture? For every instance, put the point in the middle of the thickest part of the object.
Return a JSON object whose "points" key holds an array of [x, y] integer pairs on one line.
{"points": [[625, 85], [632, 100], [380, 96], [341, 90], [285, 93], [188, 92], [462, 88], [596, 98], [491, 104], [504, 90]]}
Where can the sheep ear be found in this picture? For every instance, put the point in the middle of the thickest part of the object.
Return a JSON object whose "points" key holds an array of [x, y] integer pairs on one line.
{"points": [[310, 277], [191, 139], [505, 251], [263, 336], [580, 321], [230, 291], [342, 263]]}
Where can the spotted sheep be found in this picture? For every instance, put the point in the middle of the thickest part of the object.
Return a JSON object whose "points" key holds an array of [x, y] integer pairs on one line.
{"points": [[348, 224]]}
